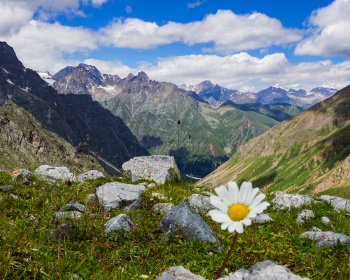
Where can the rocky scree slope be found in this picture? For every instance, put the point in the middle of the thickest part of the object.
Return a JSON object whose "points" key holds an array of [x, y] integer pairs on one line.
{"points": [[308, 153], [25, 143], [206, 135], [73, 117]]}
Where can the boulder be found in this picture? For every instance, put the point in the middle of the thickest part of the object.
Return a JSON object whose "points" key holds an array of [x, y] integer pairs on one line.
{"points": [[264, 271], [260, 218], [51, 173], [337, 202], [118, 225], [163, 207], [117, 195], [178, 273], [92, 174], [283, 200], [62, 232], [183, 220], [136, 205], [157, 168], [327, 238], [305, 214], [73, 207], [21, 174], [199, 203]]}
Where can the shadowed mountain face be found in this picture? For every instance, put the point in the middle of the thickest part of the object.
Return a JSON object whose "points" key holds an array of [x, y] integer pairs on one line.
{"points": [[73, 117], [25, 143], [309, 153], [205, 136]]}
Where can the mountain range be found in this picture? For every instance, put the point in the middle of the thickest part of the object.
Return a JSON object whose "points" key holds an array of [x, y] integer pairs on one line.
{"points": [[169, 120], [309, 153], [76, 118], [215, 94]]}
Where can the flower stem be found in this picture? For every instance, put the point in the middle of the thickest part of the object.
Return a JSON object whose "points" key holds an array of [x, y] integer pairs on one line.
{"points": [[218, 275]]}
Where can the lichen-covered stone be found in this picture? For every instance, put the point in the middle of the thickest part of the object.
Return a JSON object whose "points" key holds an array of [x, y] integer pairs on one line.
{"points": [[157, 168], [337, 202], [283, 200], [118, 225], [92, 174], [199, 203], [62, 232], [163, 207], [21, 174], [305, 214], [327, 238], [178, 273], [53, 173]]}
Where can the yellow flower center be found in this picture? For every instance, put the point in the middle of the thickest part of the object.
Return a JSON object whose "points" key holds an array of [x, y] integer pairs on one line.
{"points": [[238, 212]]}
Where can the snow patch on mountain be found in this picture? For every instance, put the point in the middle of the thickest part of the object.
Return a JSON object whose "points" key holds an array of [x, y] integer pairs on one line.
{"points": [[47, 77]]}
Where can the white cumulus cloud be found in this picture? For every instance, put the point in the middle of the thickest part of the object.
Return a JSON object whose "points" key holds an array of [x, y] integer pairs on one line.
{"points": [[228, 32], [329, 30]]}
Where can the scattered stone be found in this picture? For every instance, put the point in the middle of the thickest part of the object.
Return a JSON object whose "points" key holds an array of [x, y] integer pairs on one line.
{"points": [[337, 202], [316, 229], [327, 238], [151, 185], [178, 273], [21, 174], [183, 220], [207, 193], [62, 232], [136, 205], [263, 271], [327, 221], [117, 195], [304, 215], [67, 215], [91, 199], [51, 173], [92, 174], [73, 207], [157, 168], [284, 200], [348, 214], [1, 199], [200, 203], [163, 207], [6, 188], [14, 196], [260, 218], [75, 276], [118, 225]]}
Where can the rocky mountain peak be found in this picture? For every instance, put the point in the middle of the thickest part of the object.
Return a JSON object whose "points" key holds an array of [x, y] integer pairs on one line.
{"points": [[142, 76], [129, 77]]}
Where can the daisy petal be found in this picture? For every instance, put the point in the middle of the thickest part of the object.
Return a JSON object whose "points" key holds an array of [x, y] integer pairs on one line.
{"points": [[239, 228], [260, 207], [251, 215], [252, 195], [246, 187], [256, 200], [223, 194], [247, 222], [234, 192], [232, 227], [226, 225], [218, 203], [219, 216]]}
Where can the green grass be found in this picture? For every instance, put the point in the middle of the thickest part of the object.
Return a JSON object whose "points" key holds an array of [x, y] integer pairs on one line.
{"points": [[28, 252]]}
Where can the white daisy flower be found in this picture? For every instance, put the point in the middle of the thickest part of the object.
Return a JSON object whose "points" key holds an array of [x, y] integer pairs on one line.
{"points": [[236, 207]]}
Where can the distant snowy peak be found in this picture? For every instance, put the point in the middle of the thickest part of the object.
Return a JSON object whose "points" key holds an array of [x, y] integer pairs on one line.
{"points": [[47, 77]]}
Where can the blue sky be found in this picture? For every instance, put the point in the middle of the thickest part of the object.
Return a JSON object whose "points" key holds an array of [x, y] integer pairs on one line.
{"points": [[239, 44]]}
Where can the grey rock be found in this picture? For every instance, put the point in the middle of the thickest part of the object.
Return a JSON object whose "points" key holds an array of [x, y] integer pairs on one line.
{"points": [[183, 220], [260, 218], [75, 276], [178, 273], [151, 185], [327, 222], [159, 195], [283, 200], [91, 199], [6, 188], [21, 174], [337, 202], [199, 203], [327, 238], [136, 205], [52, 173], [62, 232], [14, 196], [117, 195], [73, 207], [118, 225], [316, 229], [163, 207], [266, 270], [92, 174], [305, 214], [67, 215], [157, 168]]}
